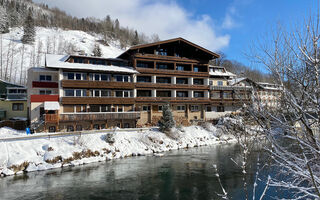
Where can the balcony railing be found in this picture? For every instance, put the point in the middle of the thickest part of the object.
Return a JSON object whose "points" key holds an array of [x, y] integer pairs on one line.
{"points": [[170, 86], [18, 96], [162, 99], [65, 117], [51, 118], [216, 87]]}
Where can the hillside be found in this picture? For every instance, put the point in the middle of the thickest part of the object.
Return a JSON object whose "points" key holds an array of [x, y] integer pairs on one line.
{"points": [[16, 58]]}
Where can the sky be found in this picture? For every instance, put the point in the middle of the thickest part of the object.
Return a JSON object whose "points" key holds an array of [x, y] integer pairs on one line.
{"points": [[228, 26]]}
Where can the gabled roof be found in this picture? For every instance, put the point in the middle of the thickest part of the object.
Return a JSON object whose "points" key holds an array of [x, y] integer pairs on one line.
{"points": [[170, 41]]}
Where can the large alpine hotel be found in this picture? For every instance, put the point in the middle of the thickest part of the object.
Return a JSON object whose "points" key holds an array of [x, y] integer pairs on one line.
{"points": [[74, 93]]}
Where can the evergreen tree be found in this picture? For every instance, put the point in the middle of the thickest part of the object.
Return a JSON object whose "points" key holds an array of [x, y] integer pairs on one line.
{"points": [[97, 51], [29, 30], [135, 39], [166, 122]]}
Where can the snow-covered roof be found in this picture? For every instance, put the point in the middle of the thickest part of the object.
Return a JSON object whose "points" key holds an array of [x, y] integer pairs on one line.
{"points": [[236, 80], [220, 73], [59, 61], [51, 105]]}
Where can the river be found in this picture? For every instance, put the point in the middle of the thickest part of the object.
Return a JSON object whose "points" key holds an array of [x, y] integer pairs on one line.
{"points": [[179, 174]]}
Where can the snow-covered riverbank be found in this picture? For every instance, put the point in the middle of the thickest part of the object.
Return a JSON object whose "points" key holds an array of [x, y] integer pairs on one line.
{"points": [[41, 154]]}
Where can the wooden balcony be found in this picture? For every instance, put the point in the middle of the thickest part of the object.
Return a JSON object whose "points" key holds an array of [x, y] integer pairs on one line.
{"points": [[170, 73], [98, 116], [96, 100], [172, 100], [44, 84], [231, 88], [166, 58], [171, 86], [96, 84], [51, 118], [43, 98]]}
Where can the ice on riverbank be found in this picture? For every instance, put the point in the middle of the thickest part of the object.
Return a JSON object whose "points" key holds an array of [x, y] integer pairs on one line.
{"points": [[42, 154]]}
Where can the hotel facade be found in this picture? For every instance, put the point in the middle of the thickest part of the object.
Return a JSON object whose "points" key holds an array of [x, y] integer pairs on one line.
{"points": [[74, 93]]}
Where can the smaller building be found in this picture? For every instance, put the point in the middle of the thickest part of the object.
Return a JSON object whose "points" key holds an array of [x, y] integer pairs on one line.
{"points": [[13, 101]]}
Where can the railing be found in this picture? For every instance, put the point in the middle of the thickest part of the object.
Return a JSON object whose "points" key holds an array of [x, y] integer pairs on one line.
{"points": [[98, 116], [172, 72], [44, 84], [43, 98], [169, 85], [51, 118], [17, 96], [171, 99], [96, 84], [216, 87]]}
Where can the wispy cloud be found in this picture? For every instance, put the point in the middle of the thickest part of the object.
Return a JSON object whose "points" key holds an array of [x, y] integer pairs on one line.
{"points": [[232, 14], [166, 18]]}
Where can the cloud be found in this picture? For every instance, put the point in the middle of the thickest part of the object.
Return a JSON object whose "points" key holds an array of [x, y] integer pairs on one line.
{"points": [[166, 18], [229, 21]]}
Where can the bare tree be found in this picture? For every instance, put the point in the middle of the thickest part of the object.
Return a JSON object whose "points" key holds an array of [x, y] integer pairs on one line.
{"points": [[293, 129]]}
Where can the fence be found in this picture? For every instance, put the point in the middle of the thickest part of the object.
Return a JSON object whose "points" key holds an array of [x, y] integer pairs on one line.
{"points": [[18, 125], [76, 133]]}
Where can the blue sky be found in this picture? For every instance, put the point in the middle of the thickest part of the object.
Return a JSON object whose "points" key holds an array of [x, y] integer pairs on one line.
{"points": [[229, 26]]}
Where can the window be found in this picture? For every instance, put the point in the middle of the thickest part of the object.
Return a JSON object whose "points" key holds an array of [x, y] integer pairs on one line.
{"points": [[210, 82], [180, 68], [126, 125], [105, 93], [162, 66], [163, 80], [143, 93], [160, 108], [45, 78], [120, 78], [120, 108], [220, 108], [94, 108], [47, 92], [145, 108], [220, 83], [119, 93], [196, 69], [182, 94], [162, 52], [145, 64], [198, 81], [17, 106], [78, 76], [80, 108], [69, 93], [70, 76], [144, 79], [97, 77], [96, 126], [105, 77], [209, 109], [182, 81], [78, 93], [78, 128], [181, 108], [195, 108], [105, 108], [52, 129], [198, 94], [70, 128], [126, 93]]}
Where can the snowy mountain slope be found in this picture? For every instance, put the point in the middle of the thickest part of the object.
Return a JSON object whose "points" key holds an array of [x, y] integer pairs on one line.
{"points": [[16, 58]]}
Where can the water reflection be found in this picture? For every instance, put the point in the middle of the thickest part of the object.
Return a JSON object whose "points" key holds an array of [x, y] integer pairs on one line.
{"points": [[183, 174]]}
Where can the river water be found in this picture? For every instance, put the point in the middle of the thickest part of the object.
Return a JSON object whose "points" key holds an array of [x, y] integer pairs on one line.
{"points": [[179, 174]]}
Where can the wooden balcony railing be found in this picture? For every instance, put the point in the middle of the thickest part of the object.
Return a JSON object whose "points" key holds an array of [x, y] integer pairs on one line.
{"points": [[97, 100], [65, 117], [51, 118], [172, 86], [239, 88], [96, 84], [172, 99], [172, 72]]}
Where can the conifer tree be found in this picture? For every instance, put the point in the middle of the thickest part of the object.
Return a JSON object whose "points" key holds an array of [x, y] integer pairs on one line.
{"points": [[135, 39], [29, 30], [97, 51], [166, 122], [4, 21]]}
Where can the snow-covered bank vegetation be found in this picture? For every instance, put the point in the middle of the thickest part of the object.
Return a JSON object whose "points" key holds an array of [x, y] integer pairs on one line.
{"points": [[42, 154]]}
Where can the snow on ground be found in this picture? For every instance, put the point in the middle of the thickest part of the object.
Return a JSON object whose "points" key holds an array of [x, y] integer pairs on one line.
{"points": [[41, 154], [7, 132]]}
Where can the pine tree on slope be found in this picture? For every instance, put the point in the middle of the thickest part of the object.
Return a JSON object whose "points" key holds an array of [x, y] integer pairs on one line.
{"points": [[166, 122], [29, 30], [97, 51]]}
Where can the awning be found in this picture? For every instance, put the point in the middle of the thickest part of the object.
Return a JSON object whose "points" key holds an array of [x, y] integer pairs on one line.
{"points": [[51, 105]]}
